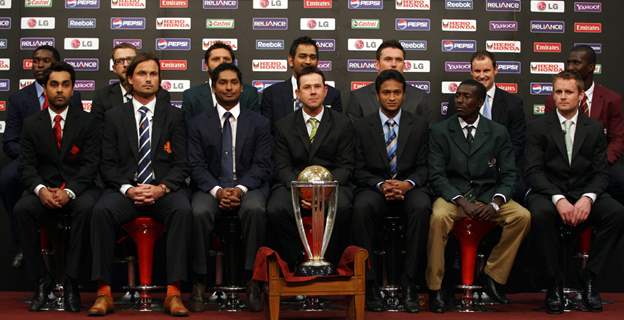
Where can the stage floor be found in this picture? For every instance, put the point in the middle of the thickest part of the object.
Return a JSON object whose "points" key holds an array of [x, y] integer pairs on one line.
{"points": [[524, 306]]}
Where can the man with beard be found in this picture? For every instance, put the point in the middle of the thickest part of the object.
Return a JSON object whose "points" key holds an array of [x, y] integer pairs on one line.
{"points": [[23, 103]]}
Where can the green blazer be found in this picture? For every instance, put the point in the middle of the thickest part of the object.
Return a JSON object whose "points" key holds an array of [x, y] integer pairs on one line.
{"points": [[476, 172], [197, 99]]}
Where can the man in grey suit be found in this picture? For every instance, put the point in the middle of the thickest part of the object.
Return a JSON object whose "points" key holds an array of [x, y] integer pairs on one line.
{"points": [[201, 97], [363, 101]]}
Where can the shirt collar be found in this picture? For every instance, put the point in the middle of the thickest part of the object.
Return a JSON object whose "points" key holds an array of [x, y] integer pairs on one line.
{"points": [[385, 118], [235, 111], [53, 114], [590, 92], [318, 117], [562, 118], [490, 93], [150, 105], [39, 89], [463, 124], [293, 81]]}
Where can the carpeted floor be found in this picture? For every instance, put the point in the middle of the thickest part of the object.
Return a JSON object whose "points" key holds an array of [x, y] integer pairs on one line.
{"points": [[524, 306]]}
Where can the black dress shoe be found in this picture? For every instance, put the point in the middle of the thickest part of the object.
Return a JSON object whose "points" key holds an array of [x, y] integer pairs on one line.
{"points": [[437, 303], [591, 297], [554, 300], [374, 302], [197, 297], [17, 260], [493, 289], [71, 295], [410, 298], [42, 290], [254, 296]]}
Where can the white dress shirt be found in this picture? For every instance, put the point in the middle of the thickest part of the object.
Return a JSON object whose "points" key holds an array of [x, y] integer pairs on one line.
{"points": [[590, 96], [489, 98]]}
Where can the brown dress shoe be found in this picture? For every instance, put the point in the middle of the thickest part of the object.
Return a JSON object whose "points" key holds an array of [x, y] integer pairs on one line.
{"points": [[175, 307], [102, 306]]}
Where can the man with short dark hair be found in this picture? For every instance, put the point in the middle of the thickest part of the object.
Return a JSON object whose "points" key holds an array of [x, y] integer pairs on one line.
{"points": [[202, 97], [567, 171], [363, 101], [232, 178], [144, 167], [23, 103], [58, 164], [280, 99], [391, 177], [472, 172]]}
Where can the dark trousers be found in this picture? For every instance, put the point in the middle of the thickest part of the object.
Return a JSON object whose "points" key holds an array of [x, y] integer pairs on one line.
{"points": [[369, 209], [616, 180], [30, 214], [283, 229], [114, 210], [252, 215], [606, 218], [10, 192]]}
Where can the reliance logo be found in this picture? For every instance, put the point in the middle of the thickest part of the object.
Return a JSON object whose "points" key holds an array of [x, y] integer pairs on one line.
{"points": [[270, 24], [588, 27], [127, 23], [220, 4], [547, 47], [412, 24], [84, 64], [459, 45], [459, 25], [31, 43], [503, 5], [173, 44], [546, 67], [421, 85], [5, 23], [539, 26], [503, 46], [361, 65], [326, 44], [269, 65]]}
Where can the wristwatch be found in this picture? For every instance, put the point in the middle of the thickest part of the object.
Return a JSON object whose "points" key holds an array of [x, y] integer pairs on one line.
{"points": [[70, 195], [165, 188], [495, 206]]}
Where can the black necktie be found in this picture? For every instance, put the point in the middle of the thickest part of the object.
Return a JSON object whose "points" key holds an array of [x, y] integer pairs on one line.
{"points": [[227, 161], [469, 135]]}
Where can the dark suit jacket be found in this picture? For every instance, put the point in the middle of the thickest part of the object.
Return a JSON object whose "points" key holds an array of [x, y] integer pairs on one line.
{"points": [[253, 150], [277, 100], [332, 147], [487, 167], [548, 171], [363, 102], [606, 108], [110, 96], [371, 159], [76, 164], [199, 98], [508, 110], [120, 147], [23, 104]]}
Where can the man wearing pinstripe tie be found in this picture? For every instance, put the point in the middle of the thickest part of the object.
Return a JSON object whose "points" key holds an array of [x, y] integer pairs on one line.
{"points": [[144, 167]]}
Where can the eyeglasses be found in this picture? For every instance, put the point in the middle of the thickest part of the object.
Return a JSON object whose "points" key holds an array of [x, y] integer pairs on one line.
{"points": [[123, 60]]}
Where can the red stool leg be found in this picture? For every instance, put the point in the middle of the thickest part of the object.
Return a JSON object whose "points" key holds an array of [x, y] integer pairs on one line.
{"points": [[584, 245]]}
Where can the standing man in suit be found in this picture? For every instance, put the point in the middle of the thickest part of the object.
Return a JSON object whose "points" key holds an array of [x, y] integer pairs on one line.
{"points": [[472, 172], [604, 105], [363, 101], [202, 97], [59, 159], [23, 103], [230, 158], [120, 93], [280, 99], [568, 175], [391, 176], [144, 168], [312, 135]]}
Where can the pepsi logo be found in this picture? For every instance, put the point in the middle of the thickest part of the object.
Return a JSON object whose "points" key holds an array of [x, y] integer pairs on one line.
{"points": [[161, 44], [116, 23], [71, 3], [402, 24]]}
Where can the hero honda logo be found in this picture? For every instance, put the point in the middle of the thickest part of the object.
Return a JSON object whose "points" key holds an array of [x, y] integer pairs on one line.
{"points": [[84, 64], [31, 43], [412, 4], [207, 42], [175, 85], [82, 4], [509, 67], [546, 67], [38, 22], [541, 88], [270, 44], [326, 44], [540, 26], [269, 65], [5, 23], [138, 43], [317, 4], [317, 24], [270, 24], [503, 46], [82, 43], [365, 4], [458, 5], [588, 27], [588, 7], [503, 26], [361, 65], [5, 64], [548, 6], [180, 23], [128, 4], [547, 47], [459, 45], [25, 83], [127, 23], [412, 24], [173, 44], [459, 25], [414, 45], [81, 23], [220, 4], [503, 5], [363, 44], [270, 4]]}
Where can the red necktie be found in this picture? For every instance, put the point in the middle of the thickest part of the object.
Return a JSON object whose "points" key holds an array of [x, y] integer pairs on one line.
{"points": [[58, 132], [585, 106], [45, 102]]}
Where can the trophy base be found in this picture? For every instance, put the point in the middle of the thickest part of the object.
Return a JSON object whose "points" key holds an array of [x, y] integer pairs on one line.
{"points": [[315, 268]]}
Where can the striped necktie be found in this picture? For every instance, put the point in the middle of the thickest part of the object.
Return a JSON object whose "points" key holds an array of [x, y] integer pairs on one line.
{"points": [[314, 124], [227, 161], [145, 173], [391, 146]]}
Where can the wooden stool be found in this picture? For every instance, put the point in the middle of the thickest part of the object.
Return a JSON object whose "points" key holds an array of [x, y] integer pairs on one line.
{"points": [[355, 287]]}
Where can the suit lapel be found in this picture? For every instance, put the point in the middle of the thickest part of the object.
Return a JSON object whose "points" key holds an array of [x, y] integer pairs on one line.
{"points": [[457, 135], [207, 97], [241, 132], [287, 97], [579, 134], [115, 94], [404, 132], [49, 139], [69, 129], [597, 102], [378, 140], [131, 128], [301, 131], [371, 96], [34, 99], [481, 135], [557, 134], [322, 131], [497, 104], [158, 123]]}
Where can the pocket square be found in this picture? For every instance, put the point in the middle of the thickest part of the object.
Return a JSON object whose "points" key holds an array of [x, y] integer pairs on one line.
{"points": [[167, 147], [74, 150]]}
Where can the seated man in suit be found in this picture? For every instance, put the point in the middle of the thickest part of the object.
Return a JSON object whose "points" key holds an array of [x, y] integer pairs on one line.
{"points": [[202, 97], [312, 135], [604, 105], [391, 176], [472, 172], [23, 103], [119, 93], [502, 107], [567, 173], [230, 157], [58, 164], [280, 99], [144, 168], [363, 101]]}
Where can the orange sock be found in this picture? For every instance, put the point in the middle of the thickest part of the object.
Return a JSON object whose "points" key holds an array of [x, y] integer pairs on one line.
{"points": [[173, 289], [104, 290]]}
